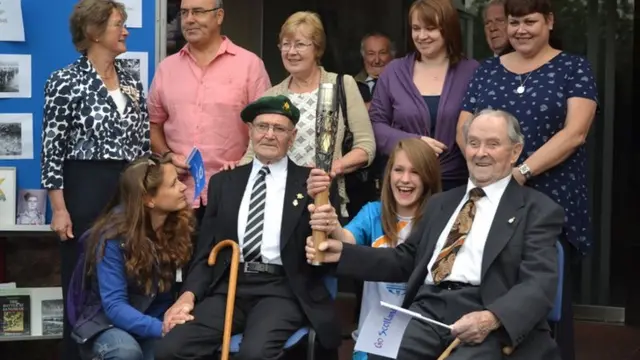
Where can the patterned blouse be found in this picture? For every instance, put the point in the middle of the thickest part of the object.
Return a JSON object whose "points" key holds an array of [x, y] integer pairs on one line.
{"points": [[304, 150], [542, 110], [81, 120]]}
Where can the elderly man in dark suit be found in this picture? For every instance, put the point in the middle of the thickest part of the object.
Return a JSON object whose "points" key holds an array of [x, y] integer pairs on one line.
{"points": [[482, 257], [261, 205]]}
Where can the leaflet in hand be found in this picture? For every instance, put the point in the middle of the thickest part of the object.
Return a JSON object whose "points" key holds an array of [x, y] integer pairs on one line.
{"points": [[196, 168]]}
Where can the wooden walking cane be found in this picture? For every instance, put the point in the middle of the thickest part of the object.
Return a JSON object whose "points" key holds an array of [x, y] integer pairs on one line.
{"points": [[326, 127], [231, 292], [507, 350]]}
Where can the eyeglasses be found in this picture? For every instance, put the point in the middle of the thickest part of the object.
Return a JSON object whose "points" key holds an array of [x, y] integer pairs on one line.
{"points": [[298, 47], [197, 12], [263, 128]]}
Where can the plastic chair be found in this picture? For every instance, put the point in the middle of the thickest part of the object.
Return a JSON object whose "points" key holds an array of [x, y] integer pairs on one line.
{"points": [[332, 285]]}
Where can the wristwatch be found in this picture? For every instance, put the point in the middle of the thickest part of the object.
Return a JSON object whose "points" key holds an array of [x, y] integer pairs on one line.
{"points": [[525, 171]]}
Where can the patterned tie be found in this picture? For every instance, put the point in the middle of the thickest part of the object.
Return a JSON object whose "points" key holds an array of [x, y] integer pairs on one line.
{"points": [[444, 263], [255, 220]]}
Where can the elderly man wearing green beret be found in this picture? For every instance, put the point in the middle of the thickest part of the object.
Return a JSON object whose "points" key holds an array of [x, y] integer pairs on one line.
{"points": [[263, 206]]}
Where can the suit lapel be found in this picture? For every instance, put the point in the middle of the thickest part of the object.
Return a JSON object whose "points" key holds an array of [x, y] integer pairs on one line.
{"points": [[238, 184], [295, 201], [505, 221]]}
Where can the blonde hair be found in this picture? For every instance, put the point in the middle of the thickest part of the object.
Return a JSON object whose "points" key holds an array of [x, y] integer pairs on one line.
{"points": [[316, 29], [89, 20]]}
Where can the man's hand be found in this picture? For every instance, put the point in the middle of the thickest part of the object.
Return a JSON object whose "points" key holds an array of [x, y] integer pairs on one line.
{"points": [[323, 218], [318, 182], [180, 163], [179, 313], [331, 250], [229, 165], [474, 327]]}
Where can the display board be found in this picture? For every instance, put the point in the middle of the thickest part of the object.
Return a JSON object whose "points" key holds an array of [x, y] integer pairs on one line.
{"points": [[47, 46]]}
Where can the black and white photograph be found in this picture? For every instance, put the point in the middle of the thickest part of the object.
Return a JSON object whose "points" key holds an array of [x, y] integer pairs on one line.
{"points": [[137, 62], [7, 195], [9, 77], [15, 76], [16, 136], [32, 207], [10, 139], [52, 317]]}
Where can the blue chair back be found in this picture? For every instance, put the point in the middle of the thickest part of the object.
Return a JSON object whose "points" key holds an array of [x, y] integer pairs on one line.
{"points": [[556, 313], [330, 282]]}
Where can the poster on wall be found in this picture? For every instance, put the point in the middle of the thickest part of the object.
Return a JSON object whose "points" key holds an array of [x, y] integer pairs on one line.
{"points": [[137, 63], [7, 195], [15, 76], [32, 206], [16, 136], [11, 23], [134, 13]]}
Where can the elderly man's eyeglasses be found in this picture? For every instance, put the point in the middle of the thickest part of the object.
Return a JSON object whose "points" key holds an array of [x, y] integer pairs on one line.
{"points": [[263, 128], [197, 12], [298, 47]]}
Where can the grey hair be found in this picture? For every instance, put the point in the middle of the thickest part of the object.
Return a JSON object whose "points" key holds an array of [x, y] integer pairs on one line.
{"points": [[218, 3], [513, 126], [490, 4], [392, 45]]}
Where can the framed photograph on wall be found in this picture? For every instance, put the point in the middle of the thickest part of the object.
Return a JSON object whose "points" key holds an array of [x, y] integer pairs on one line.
{"points": [[32, 206], [7, 195]]}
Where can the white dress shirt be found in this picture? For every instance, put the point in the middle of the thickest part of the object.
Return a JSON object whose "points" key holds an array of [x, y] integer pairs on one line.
{"points": [[276, 182], [467, 267]]}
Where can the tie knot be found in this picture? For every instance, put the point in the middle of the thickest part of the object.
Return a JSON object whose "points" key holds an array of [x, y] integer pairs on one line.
{"points": [[476, 193], [264, 171]]}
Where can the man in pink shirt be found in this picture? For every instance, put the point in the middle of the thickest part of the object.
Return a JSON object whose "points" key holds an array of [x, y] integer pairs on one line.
{"points": [[197, 95]]}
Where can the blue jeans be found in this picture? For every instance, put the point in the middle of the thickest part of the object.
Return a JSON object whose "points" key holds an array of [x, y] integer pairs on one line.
{"points": [[117, 344]]}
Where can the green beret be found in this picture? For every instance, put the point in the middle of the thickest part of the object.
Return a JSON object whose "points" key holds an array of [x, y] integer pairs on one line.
{"points": [[271, 105]]}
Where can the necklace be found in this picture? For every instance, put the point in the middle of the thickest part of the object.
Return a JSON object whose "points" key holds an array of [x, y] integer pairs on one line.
{"points": [[521, 88]]}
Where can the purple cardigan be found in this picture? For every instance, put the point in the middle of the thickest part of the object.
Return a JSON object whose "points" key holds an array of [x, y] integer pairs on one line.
{"points": [[398, 111]]}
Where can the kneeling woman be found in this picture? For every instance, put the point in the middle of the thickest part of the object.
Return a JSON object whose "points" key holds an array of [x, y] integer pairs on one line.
{"points": [[132, 254], [412, 175]]}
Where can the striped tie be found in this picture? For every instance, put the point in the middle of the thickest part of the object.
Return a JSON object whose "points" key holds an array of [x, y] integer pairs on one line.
{"points": [[255, 220]]}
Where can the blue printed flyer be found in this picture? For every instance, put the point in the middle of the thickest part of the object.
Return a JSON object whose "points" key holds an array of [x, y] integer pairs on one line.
{"points": [[196, 168]]}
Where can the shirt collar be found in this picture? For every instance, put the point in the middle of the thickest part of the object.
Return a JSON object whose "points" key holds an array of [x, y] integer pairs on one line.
{"points": [[225, 47], [492, 191], [277, 168]]}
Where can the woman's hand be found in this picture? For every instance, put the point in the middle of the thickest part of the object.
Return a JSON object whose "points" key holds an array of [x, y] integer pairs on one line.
{"points": [[324, 218], [318, 182], [229, 165], [518, 176], [61, 224], [436, 145]]}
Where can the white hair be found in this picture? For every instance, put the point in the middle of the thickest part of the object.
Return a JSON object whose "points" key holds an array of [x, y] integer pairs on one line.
{"points": [[513, 126], [392, 46]]}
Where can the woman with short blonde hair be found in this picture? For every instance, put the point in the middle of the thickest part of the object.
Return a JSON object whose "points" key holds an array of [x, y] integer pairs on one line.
{"points": [[302, 42], [95, 122]]}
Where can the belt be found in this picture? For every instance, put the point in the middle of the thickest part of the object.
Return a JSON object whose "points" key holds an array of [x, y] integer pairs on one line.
{"points": [[261, 268], [453, 285]]}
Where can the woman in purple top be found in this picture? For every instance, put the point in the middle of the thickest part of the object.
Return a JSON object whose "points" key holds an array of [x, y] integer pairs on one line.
{"points": [[420, 95]]}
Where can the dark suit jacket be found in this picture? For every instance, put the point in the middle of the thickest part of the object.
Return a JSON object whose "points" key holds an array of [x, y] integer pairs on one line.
{"points": [[519, 265], [220, 222]]}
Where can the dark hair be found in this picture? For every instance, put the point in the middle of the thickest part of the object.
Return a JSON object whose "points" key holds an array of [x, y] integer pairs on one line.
{"points": [[443, 15], [518, 8], [28, 195], [150, 258]]}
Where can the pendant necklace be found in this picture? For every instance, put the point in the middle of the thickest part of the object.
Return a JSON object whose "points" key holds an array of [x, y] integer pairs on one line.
{"points": [[521, 89]]}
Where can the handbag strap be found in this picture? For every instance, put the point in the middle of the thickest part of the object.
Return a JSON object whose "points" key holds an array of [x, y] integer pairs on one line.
{"points": [[342, 100]]}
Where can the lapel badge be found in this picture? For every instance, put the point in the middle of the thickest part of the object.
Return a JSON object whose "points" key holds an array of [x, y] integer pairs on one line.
{"points": [[299, 196], [295, 202], [512, 220]]}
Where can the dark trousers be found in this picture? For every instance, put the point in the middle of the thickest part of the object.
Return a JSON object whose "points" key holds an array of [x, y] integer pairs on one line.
{"points": [[88, 188], [423, 341], [565, 336], [265, 312]]}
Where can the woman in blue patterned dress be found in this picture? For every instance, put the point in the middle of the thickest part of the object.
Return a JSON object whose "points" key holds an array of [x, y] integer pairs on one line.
{"points": [[553, 95]]}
